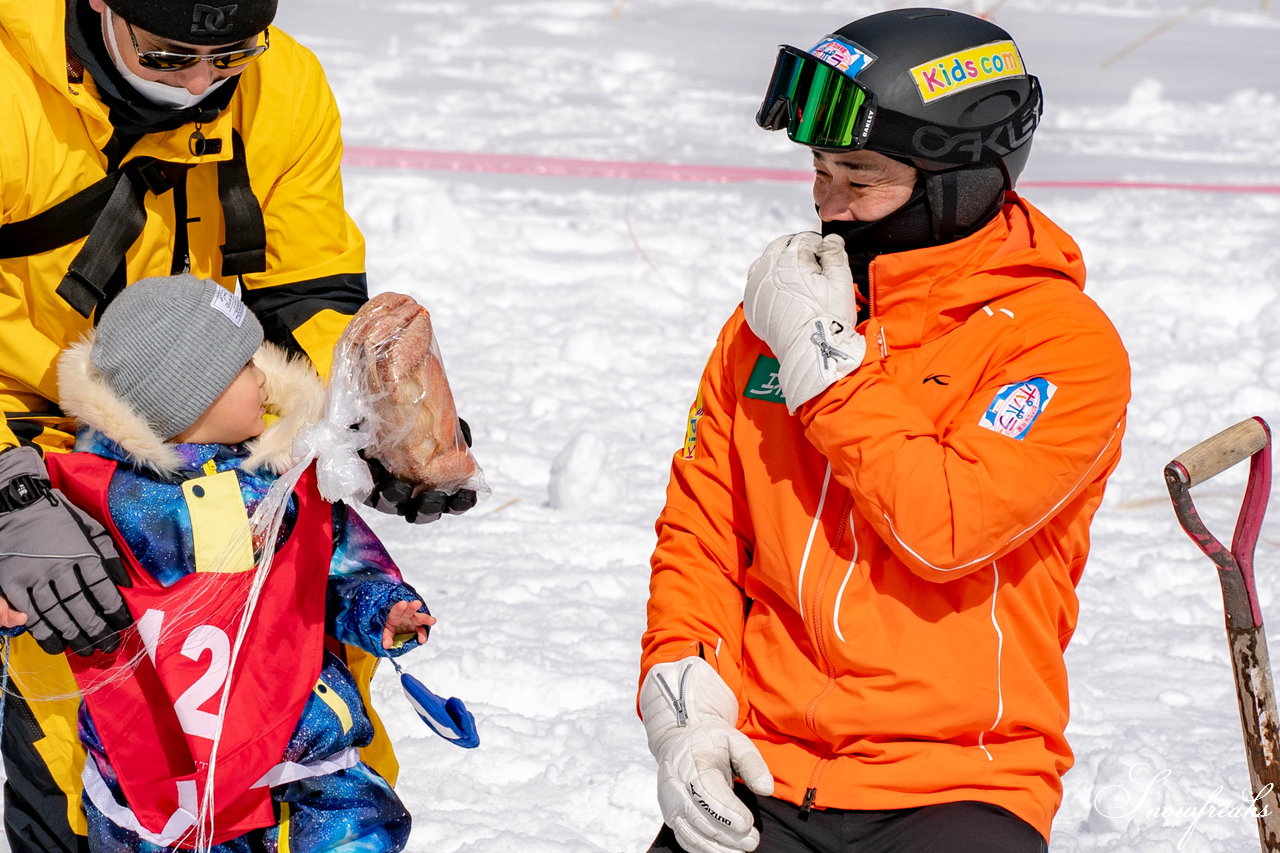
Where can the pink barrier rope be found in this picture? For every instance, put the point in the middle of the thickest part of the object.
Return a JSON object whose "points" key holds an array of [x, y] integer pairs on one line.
{"points": [[1266, 189], [560, 167], [563, 167]]}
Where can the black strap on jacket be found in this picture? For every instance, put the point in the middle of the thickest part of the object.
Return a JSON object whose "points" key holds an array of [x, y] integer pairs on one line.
{"points": [[246, 248], [72, 218], [111, 213], [65, 222], [89, 278]]}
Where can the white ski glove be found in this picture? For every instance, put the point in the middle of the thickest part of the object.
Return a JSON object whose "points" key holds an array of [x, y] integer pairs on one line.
{"points": [[800, 301], [690, 717]]}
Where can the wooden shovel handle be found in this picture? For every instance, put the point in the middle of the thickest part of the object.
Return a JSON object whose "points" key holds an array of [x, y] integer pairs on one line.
{"points": [[1218, 453]]}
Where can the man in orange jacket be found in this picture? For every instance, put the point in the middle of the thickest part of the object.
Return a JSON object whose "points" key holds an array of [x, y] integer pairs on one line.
{"points": [[865, 572]]}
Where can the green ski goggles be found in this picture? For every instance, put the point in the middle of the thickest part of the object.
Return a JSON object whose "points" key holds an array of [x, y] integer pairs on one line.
{"points": [[818, 105]]}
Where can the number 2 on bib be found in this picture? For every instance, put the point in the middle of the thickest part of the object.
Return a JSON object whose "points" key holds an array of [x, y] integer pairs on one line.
{"points": [[201, 639]]}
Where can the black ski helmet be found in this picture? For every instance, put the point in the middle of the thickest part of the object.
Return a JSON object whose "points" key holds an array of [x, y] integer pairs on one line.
{"points": [[214, 23], [940, 89]]}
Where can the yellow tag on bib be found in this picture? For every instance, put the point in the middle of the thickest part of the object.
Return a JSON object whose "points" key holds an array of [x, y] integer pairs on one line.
{"points": [[220, 531]]}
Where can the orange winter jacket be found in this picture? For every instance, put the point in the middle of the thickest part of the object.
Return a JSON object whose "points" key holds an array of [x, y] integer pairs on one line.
{"points": [[887, 579]]}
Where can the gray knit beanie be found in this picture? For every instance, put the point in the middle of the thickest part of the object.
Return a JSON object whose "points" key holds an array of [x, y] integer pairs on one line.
{"points": [[170, 346]]}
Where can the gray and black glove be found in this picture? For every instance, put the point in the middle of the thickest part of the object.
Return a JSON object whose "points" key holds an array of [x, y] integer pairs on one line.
{"points": [[57, 565], [395, 497]]}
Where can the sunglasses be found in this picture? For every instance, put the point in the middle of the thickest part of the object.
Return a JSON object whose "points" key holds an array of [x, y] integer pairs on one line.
{"points": [[163, 60], [818, 105]]}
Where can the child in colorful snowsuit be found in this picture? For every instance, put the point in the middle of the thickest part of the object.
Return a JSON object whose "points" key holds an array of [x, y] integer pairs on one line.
{"points": [[174, 457]]}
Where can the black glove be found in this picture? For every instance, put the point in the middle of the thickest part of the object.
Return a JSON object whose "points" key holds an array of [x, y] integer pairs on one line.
{"points": [[396, 497], [57, 565]]}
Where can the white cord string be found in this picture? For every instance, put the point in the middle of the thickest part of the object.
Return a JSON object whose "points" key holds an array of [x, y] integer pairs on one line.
{"points": [[47, 556]]}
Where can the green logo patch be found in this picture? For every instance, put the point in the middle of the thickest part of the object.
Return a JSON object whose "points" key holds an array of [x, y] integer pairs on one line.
{"points": [[763, 383]]}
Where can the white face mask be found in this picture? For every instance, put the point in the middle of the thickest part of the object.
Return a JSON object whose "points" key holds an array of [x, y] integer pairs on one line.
{"points": [[160, 94]]}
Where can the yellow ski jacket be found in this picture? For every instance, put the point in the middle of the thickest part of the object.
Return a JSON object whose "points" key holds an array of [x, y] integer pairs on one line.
{"points": [[55, 128]]}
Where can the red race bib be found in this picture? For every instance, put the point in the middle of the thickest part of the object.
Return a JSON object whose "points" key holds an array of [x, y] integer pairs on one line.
{"points": [[155, 700]]}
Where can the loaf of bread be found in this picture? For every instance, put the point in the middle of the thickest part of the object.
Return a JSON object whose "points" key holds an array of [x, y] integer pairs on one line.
{"points": [[415, 432]]}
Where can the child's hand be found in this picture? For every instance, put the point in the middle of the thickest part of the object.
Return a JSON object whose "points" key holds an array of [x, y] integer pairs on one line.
{"points": [[404, 619], [10, 618]]}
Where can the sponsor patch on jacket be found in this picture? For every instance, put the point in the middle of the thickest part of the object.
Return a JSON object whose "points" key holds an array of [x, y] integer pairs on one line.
{"points": [[965, 69], [1016, 407], [843, 55], [696, 411], [763, 382]]}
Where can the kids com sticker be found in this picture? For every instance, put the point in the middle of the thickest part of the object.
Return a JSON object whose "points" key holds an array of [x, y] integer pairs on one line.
{"points": [[956, 72], [1016, 407]]}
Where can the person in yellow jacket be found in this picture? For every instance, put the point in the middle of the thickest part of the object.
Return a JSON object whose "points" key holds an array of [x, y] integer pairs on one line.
{"points": [[142, 138], [865, 572]]}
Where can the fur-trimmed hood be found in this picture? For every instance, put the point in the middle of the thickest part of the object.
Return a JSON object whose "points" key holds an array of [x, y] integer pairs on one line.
{"points": [[295, 397]]}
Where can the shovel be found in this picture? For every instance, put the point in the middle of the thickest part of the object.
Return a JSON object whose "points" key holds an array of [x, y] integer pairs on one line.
{"points": [[1249, 439]]}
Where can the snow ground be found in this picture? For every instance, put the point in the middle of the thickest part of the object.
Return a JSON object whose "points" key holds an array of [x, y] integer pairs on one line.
{"points": [[575, 316]]}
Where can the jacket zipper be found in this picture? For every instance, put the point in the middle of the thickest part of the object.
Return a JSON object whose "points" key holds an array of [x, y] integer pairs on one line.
{"points": [[181, 235], [871, 288], [871, 311], [16, 709], [810, 714], [677, 702]]}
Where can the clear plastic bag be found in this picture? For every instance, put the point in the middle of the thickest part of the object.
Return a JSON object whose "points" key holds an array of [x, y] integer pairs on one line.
{"points": [[389, 399]]}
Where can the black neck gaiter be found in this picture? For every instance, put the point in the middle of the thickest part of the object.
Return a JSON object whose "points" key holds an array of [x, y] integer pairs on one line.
{"points": [[930, 216], [130, 113]]}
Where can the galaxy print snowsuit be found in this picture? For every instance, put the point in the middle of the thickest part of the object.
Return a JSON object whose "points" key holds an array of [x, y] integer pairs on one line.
{"points": [[352, 810]]}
